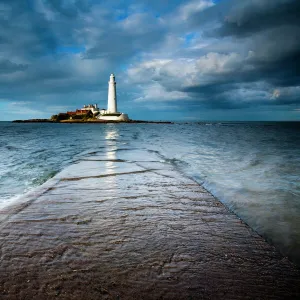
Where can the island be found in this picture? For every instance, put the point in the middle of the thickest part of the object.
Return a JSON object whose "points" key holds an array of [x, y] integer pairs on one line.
{"points": [[92, 114]]}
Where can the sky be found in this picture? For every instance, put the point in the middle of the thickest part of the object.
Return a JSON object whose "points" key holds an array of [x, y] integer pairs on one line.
{"points": [[173, 59]]}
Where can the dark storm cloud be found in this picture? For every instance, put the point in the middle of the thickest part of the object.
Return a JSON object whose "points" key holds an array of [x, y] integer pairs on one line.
{"points": [[127, 38], [237, 89], [69, 9], [6, 66], [248, 17], [274, 31], [24, 31], [270, 30], [227, 95]]}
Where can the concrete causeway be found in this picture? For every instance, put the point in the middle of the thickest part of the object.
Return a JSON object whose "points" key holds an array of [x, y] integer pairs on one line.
{"points": [[109, 227]]}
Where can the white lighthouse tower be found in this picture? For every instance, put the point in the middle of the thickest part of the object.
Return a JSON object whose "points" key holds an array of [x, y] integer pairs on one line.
{"points": [[112, 114], [112, 95]]}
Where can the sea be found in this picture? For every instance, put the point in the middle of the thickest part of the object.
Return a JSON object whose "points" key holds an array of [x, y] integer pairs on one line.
{"points": [[253, 168]]}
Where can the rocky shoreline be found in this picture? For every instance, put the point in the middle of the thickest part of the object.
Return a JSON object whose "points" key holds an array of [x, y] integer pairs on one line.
{"points": [[33, 121]]}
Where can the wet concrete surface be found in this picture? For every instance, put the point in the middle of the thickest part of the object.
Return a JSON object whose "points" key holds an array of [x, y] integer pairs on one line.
{"points": [[109, 227]]}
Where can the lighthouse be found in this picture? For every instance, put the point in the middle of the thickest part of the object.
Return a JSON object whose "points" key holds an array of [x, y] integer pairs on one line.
{"points": [[112, 114], [112, 95]]}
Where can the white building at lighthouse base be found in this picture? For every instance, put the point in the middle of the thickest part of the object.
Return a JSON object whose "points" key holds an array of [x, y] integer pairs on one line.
{"points": [[112, 114], [114, 117]]}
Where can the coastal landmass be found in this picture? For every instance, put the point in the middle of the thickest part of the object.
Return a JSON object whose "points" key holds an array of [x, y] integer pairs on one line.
{"points": [[90, 121]]}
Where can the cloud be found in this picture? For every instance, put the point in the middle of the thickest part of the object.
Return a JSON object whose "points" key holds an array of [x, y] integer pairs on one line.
{"points": [[156, 93], [251, 50], [245, 18], [206, 75], [191, 8], [187, 70], [286, 95], [217, 80], [218, 55], [6, 66], [276, 94], [125, 38]]}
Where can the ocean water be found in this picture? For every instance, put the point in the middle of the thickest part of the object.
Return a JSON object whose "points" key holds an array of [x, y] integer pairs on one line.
{"points": [[253, 168]]}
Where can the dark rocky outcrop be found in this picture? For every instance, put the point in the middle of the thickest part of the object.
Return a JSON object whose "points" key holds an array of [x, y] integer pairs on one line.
{"points": [[33, 121]]}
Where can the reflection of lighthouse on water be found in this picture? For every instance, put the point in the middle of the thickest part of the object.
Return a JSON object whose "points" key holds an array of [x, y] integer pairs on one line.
{"points": [[111, 137]]}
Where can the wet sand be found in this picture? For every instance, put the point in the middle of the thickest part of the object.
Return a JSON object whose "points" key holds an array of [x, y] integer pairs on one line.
{"points": [[108, 227]]}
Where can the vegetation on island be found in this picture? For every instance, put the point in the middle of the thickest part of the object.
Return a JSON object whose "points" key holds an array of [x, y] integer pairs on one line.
{"points": [[68, 117]]}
